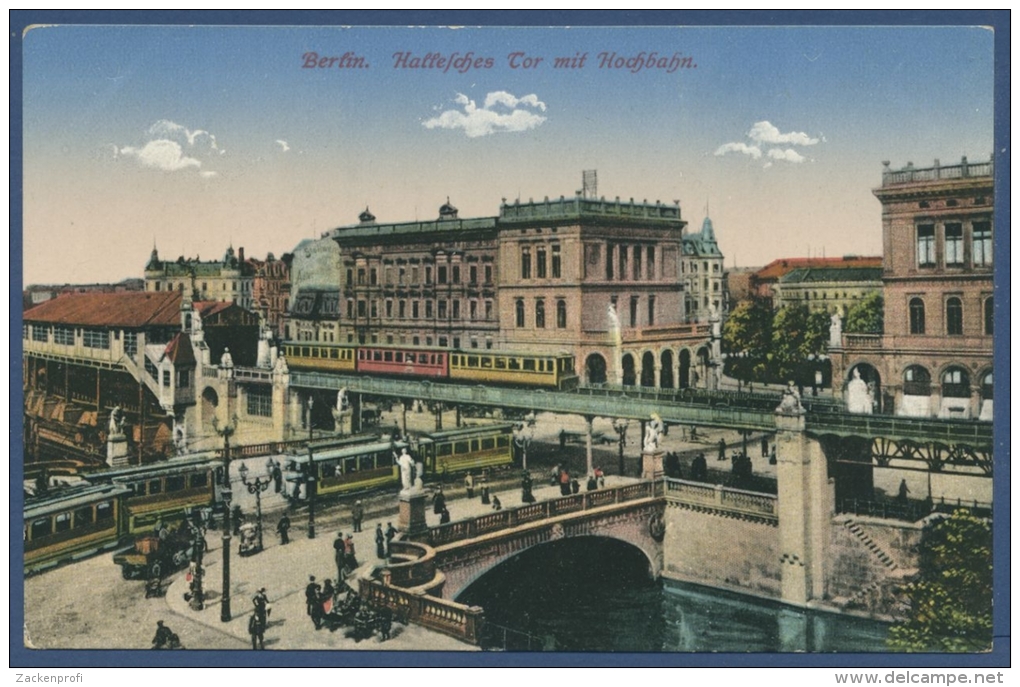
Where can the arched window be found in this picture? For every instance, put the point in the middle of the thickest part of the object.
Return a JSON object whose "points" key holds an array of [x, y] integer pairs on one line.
{"points": [[540, 314], [519, 307], [916, 381], [916, 316], [561, 314], [954, 316], [989, 317], [955, 383]]}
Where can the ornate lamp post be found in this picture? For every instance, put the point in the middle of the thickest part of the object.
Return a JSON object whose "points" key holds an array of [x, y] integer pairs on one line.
{"points": [[524, 434], [310, 475], [620, 424], [256, 487], [225, 492]]}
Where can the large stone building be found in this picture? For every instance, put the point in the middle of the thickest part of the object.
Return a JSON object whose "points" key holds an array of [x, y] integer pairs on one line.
{"points": [[270, 289], [934, 357], [828, 289], [229, 280], [763, 282], [702, 272], [600, 279]]}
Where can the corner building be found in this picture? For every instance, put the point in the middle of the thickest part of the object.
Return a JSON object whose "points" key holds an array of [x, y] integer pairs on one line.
{"points": [[934, 358], [540, 276]]}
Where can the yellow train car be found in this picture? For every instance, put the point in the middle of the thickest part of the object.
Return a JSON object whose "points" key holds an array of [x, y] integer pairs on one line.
{"points": [[466, 449], [162, 492], [72, 523], [317, 356], [514, 369], [351, 468]]}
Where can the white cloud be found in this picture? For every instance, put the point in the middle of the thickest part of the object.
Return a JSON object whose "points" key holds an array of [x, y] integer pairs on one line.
{"points": [[284, 147], [208, 175], [738, 147], [786, 155], [161, 154], [172, 147], [765, 132], [501, 112]]}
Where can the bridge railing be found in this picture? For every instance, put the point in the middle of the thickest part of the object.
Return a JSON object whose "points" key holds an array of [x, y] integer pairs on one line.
{"points": [[449, 617], [923, 429], [512, 517], [721, 498], [268, 448], [417, 566]]}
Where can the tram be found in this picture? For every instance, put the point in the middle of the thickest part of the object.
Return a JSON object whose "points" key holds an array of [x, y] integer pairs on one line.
{"points": [[72, 523], [351, 467], [466, 448]]}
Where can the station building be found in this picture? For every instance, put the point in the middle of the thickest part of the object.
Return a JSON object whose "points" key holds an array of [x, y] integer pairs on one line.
{"points": [[934, 358]]}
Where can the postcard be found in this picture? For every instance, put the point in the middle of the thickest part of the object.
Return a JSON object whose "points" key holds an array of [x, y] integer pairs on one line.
{"points": [[628, 343]]}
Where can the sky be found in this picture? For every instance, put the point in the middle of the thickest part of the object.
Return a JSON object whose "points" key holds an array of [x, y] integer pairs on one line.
{"points": [[195, 138]]}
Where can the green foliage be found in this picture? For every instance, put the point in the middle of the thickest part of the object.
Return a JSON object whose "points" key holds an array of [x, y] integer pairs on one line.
{"points": [[951, 601], [748, 329], [866, 316], [796, 334]]}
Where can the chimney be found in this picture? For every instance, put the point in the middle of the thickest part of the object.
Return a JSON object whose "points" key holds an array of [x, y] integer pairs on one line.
{"points": [[240, 254]]}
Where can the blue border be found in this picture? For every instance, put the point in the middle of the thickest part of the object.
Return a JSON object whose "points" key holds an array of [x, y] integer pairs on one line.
{"points": [[997, 19]]}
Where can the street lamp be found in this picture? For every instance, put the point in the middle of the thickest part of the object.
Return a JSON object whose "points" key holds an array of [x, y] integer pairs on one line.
{"points": [[310, 475], [225, 432], [524, 434], [620, 424], [256, 488]]}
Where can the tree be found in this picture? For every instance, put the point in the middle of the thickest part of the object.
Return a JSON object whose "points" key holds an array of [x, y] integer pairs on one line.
{"points": [[951, 600], [866, 316], [797, 334], [748, 332]]}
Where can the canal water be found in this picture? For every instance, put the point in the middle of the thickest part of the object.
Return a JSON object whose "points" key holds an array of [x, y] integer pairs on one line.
{"points": [[596, 594]]}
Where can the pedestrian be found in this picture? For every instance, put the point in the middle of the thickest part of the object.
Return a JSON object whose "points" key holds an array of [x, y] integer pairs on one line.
{"points": [[485, 492], [438, 501], [311, 597], [357, 515], [564, 483], [554, 476], [902, 495], [326, 599], [261, 604], [349, 559], [380, 541], [694, 432], [772, 455], [257, 630], [764, 446], [391, 532], [699, 468], [277, 478], [339, 551], [496, 505], [164, 636], [283, 527], [575, 486], [526, 488], [237, 515], [593, 483], [722, 449], [385, 619], [469, 486], [444, 517]]}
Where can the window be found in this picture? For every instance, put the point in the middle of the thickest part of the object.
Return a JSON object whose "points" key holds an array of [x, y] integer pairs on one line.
{"points": [[350, 309], [955, 383], [926, 245], [556, 261], [954, 244], [989, 317], [401, 309], [633, 310], [473, 310], [362, 309], [651, 262], [488, 310], [540, 314], [414, 310], [916, 316], [637, 263], [456, 309], [916, 381], [65, 336], [361, 277], [130, 342], [623, 262], [561, 313], [540, 262], [609, 261], [651, 310], [519, 309], [260, 401], [350, 277], [373, 276], [40, 333], [442, 274], [414, 275], [456, 274], [488, 274], [96, 338], [401, 275], [428, 310], [982, 244], [473, 274], [389, 308], [428, 274], [954, 316], [442, 310], [525, 262]]}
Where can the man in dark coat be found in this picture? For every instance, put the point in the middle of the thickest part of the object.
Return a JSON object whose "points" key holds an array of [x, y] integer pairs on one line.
{"points": [[257, 630], [163, 637], [312, 604], [357, 515], [380, 542], [339, 552], [764, 446], [282, 528], [391, 532], [722, 449], [439, 501]]}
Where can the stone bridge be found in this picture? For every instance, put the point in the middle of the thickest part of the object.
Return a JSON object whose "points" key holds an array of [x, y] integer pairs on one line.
{"points": [[433, 568]]}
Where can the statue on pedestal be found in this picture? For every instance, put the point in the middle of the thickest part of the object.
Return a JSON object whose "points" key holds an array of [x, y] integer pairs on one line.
{"points": [[836, 331], [859, 398], [790, 405], [653, 430], [406, 463], [116, 428]]}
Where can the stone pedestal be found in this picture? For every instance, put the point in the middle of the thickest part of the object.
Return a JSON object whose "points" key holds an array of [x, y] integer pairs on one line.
{"points": [[411, 517], [117, 451], [651, 464]]}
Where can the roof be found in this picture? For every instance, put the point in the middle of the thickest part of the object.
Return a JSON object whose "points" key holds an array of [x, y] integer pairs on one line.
{"points": [[833, 274], [131, 310], [179, 350], [777, 268]]}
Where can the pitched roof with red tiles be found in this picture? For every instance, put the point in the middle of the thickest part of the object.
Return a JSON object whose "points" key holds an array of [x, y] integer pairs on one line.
{"points": [[778, 268], [131, 310], [179, 350]]}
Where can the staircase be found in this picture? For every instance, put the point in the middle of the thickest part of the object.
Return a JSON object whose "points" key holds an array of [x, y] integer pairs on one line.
{"points": [[858, 531]]}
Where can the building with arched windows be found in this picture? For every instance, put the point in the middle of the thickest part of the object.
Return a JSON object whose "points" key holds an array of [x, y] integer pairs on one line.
{"points": [[934, 357]]}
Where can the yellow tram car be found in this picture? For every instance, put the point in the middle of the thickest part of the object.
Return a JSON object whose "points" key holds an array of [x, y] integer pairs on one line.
{"points": [[353, 467], [467, 449]]}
